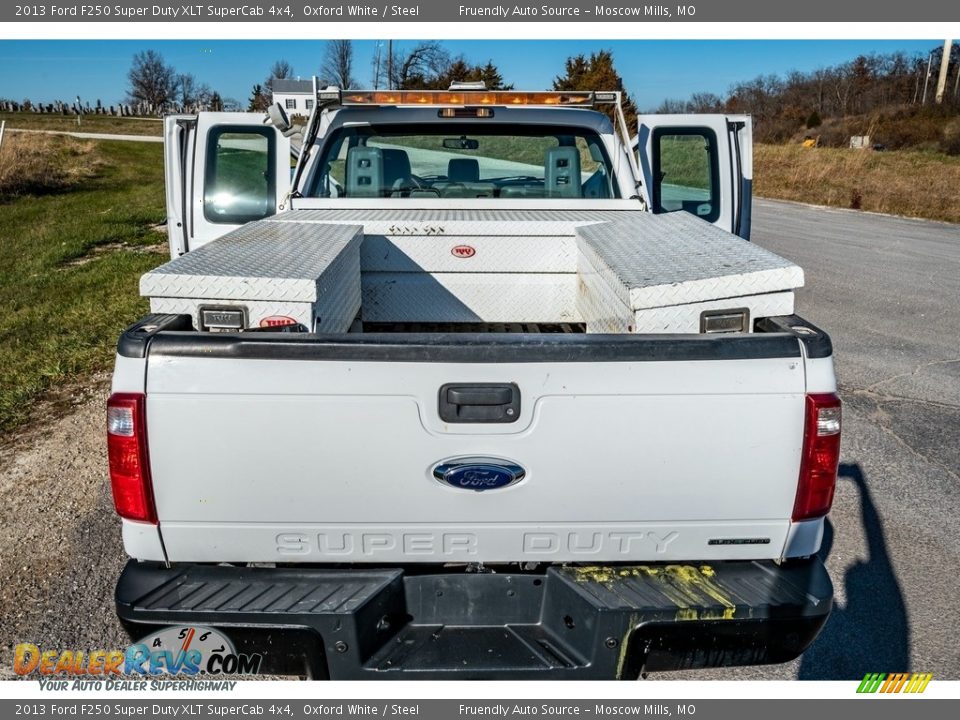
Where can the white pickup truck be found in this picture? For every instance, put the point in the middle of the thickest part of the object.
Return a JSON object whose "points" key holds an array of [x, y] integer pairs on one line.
{"points": [[467, 479]]}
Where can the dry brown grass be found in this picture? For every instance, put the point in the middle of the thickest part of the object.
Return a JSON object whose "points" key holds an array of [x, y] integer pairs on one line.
{"points": [[915, 184], [44, 164]]}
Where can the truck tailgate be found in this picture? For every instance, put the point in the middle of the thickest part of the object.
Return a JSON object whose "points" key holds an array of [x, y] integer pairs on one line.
{"points": [[290, 448]]}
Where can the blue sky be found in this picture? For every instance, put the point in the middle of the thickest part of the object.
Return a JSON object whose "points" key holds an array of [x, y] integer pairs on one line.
{"points": [[46, 70]]}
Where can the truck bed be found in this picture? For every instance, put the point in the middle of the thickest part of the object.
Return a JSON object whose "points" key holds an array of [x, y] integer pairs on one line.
{"points": [[612, 271]]}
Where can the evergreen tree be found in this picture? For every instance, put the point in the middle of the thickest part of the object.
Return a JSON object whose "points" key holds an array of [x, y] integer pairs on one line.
{"points": [[491, 77], [598, 73], [259, 100]]}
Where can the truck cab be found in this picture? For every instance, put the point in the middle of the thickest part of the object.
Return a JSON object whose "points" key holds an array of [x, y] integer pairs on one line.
{"points": [[567, 425], [226, 169]]}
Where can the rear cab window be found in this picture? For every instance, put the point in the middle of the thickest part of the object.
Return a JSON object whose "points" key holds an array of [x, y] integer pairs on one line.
{"points": [[463, 161]]}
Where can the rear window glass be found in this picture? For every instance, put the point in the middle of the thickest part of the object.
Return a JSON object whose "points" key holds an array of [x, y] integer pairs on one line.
{"points": [[458, 161], [239, 183]]}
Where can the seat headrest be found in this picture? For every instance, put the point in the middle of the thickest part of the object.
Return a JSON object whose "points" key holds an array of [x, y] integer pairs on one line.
{"points": [[364, 172], [463, 170], [562, 172], [396, 165]]}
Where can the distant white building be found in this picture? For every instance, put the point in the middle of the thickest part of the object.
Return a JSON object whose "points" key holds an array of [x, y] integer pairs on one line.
{"points": [[294, 96]]}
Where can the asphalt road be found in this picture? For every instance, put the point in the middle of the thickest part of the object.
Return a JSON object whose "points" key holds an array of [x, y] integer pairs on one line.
{"points": [[887, 290]]}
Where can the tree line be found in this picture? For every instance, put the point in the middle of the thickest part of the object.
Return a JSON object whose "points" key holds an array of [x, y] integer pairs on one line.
{"points": [[156, 87], [872, 88]]}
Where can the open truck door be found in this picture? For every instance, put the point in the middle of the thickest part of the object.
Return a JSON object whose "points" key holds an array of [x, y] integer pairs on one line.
{"points": [[702, 164], [222, 171]]}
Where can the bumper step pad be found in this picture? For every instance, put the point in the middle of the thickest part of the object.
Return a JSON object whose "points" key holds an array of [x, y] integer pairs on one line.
{"points": [[599, 622]]}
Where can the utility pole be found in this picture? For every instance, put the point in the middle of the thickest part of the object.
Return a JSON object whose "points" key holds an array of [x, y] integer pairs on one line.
{"points": [[944, 67], [926, 79], [389, 64], [376, 65]]}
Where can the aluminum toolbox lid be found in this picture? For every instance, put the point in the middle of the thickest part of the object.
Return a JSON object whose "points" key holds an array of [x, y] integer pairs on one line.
{"points": [[676, 258], [259, 261]]}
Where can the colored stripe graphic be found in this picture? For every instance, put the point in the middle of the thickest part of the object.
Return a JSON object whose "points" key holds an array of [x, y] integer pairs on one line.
{"points": [[894, 682], [919, 682], [871, 682]]}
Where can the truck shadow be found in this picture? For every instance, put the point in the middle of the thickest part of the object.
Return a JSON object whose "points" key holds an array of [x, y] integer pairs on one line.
{"points": [[397, 289], [870, 632]]}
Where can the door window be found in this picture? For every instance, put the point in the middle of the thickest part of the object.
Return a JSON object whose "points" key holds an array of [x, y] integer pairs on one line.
{"points": [[686, 172], [240, 183]]}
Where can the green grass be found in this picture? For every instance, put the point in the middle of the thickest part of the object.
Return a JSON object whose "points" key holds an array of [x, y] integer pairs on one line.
{"points": [[88, 123], [69, 269], [527, 150], [684, 161]]}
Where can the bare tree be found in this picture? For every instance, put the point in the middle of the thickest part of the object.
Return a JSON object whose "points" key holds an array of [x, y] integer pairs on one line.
{"points": [[704, 102], [337, 67], [669, 106], [280, 70], [187, 90], [207, 97], [416, 68], [153, 83]]}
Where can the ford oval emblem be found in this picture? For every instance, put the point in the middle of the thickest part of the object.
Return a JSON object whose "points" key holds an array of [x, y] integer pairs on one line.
{"points": [[463, 251], [478, 474]]}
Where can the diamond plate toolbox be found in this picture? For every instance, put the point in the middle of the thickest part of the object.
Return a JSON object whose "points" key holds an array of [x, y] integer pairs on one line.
{"points": [[517, 265], [658, 273], [307, 271]]}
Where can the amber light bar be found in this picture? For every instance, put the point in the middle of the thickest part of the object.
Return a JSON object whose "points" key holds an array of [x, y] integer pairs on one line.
{"points": [[471, 98]]}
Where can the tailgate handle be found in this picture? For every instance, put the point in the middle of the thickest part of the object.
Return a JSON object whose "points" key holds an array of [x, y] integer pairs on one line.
{"points": [[479, 403], [479, 395]]}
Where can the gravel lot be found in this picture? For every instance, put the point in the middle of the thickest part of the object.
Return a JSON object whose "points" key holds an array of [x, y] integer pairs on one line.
{"points": [[887, 290], [60, 549]]}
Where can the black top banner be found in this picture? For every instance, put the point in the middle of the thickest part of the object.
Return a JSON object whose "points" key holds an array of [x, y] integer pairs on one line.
{"points": [[574, 11]]}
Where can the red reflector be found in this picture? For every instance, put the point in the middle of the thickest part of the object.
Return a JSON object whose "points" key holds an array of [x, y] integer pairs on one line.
{"points": [[127, 451], [821, 455], [277, 321]]}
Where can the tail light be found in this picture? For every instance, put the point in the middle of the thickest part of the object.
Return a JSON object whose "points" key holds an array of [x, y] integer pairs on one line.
{"points": [[821, 455], [129, 464]]}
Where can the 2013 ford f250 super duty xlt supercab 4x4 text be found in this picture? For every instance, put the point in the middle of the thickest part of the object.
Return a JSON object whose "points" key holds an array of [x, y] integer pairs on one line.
{"points": [[480, 388]]}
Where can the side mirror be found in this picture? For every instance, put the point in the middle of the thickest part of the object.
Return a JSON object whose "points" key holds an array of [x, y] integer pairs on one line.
{"points": [[278, 118]]}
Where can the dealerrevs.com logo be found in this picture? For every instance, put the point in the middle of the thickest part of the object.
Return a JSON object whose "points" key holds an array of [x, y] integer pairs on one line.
{"points": [[172, 651]]}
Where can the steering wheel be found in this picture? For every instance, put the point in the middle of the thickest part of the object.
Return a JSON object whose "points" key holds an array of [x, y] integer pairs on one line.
{"points": [[408, 183]]}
